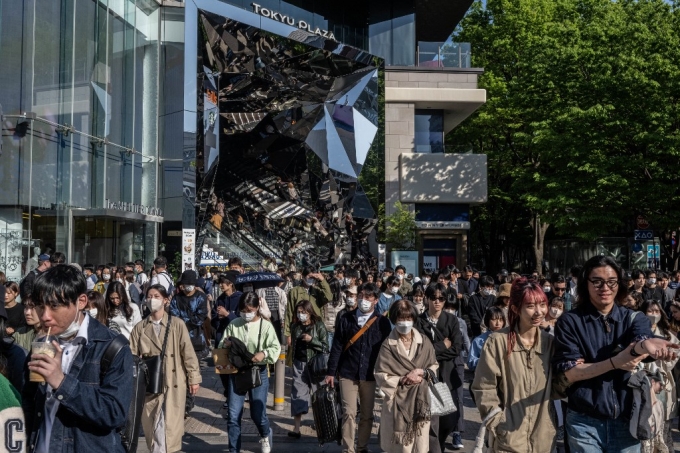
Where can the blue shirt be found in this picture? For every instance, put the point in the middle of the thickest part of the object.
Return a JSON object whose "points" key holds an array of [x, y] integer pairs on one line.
{"points": [[586, 333], [384, 303], [476, 349]]}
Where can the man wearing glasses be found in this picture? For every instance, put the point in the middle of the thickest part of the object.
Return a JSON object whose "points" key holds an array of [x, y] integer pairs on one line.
{"points": [[559, 289], [352, 359], [597, 345]]}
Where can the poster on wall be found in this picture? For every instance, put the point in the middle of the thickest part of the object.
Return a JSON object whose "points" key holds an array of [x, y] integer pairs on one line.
{"points": [[408, 259], [188, 249], [11, 250], [430, 263]]}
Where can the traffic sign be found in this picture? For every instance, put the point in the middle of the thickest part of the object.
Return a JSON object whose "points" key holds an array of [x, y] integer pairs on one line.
{"points": [[641, 222], [644, 235]]}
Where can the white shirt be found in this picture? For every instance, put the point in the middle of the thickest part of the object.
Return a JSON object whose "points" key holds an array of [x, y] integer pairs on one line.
{"points": [[162, 279], [125, 325], [71, 350], [363, 318], [141, 278]]}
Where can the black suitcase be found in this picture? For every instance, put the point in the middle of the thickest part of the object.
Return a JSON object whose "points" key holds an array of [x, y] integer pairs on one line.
{"points": [[327, 414]]}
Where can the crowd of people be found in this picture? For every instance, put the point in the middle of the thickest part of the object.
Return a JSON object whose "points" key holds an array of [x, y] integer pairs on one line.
{"points": [[589, 359]]}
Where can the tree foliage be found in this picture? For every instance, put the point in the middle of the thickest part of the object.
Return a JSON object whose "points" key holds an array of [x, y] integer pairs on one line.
{"points": [[582, 125], [400, 232]]}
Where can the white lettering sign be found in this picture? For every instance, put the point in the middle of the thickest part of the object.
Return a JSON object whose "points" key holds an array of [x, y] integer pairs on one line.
{"points": [[131, 207], [265, 12]]}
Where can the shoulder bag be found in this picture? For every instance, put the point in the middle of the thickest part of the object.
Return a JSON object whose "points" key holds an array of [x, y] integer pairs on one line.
{"points": [[360, 333], [248, 377], [318, 365], [155, 366], [441, 401]]}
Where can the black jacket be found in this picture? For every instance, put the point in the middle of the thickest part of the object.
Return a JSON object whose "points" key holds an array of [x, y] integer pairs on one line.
{"points": [[358, 362], [447, 327], [476, 308]]}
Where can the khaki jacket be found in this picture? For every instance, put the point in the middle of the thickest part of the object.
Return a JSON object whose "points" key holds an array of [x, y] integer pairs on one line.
{"points": [[181, 370], [520, 385]]}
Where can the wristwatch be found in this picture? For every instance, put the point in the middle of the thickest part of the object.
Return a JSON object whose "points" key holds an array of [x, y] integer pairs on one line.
{"points": [[632, 350]]}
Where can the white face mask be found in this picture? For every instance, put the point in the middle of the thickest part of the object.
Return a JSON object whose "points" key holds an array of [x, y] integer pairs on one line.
{"points": [[208, 275], [404, 327], [310, 281], [303, 317], [453, 312], [546, 289], [350, 301], [654, 319], [400, 276], [487, 292], [347, 281], [71, 330], [93, 312], [651, 281], [426, 280], [154, 304], [555, 313], [395, 289], [248, 316], [189, 288], [365, 306], [106, 277]]}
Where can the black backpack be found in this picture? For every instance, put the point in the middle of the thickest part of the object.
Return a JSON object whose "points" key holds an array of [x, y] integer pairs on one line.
{"points": [[129, 433]]}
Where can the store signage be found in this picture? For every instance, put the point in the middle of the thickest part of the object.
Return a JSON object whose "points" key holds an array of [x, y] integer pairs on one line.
{"points": [[644, 235], [265, 12], [131, 207], [188, 248], [444, 225]]}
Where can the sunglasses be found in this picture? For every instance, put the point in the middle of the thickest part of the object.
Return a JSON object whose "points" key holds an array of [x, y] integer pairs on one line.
{"points": [[439, 299]]}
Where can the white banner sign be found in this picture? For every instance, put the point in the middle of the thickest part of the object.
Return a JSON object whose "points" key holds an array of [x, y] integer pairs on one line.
{"points": [[430, 263], [188, 249]]}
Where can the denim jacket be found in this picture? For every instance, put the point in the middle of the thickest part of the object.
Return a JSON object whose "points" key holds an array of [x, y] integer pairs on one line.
{"points": [[92, 408]]}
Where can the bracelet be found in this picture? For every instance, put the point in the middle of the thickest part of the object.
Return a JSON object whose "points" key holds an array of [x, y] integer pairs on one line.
{"points": [[632, 351], [612, 362], [642, 344]]}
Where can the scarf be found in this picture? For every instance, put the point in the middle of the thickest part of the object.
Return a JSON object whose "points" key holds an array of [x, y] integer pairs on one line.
{"points": [[411, 402]]}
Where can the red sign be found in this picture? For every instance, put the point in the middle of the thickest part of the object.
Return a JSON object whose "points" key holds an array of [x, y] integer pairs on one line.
{"points": [[641, 222]]}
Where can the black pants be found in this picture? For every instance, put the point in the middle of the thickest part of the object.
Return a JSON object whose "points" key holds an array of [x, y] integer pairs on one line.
{"points": [[436, 446], [457, 419]]}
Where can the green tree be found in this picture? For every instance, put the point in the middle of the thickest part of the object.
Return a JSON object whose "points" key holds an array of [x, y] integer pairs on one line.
{"points": [[400, 231], [581, 126]]}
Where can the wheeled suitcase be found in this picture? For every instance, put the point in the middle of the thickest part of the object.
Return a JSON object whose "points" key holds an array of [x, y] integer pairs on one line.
{"points": [[327, 414]]}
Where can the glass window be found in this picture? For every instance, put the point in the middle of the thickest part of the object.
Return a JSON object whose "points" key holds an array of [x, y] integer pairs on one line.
{"points": [[438, 212], [429, 131]]}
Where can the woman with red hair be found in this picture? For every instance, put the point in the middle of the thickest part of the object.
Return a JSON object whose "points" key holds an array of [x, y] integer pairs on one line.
{"points": [[513, 377]]}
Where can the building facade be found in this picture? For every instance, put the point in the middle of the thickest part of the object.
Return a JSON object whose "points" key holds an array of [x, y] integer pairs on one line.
{"points": [[125, 121]]}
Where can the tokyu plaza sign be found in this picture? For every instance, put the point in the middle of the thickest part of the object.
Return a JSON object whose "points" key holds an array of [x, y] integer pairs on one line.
{"points": [[265, 12]]}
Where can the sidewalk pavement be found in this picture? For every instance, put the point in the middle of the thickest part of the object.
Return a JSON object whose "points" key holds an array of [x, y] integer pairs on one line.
{"points": [[206, 428]]}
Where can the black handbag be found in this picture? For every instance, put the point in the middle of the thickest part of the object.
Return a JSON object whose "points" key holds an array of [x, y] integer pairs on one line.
{"points": [[248, 377], [317, 366], [154, 365]]}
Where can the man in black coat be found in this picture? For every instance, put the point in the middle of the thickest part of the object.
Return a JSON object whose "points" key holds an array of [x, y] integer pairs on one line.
{"points": [[443, 330], [479, 303]]}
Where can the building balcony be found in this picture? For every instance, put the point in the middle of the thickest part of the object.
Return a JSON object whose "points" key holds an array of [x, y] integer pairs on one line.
{"points": [[443, 55]]}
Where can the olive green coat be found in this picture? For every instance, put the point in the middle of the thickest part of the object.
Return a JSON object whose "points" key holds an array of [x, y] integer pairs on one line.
{"points": [[318, 344]]}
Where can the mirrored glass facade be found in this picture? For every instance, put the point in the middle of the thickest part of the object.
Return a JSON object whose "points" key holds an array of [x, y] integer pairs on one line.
{"points": [[285, 125]]}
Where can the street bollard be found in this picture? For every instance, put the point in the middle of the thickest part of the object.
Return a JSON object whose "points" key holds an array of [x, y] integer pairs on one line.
{"points": [[280, 381]]}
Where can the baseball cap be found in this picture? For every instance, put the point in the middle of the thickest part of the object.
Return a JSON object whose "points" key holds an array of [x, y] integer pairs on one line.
{"points": [[43, 257]]}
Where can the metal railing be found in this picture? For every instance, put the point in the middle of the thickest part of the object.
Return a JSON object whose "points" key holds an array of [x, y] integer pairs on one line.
{"points": [[443, 55]]}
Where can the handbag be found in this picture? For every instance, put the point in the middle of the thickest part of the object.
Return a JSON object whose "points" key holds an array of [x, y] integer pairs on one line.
{"points": [[248, 377], [154, 365], [222, 363], [441, 401], [318, 365]]}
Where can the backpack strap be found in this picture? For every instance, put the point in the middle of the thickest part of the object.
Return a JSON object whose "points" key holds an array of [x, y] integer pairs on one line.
{"points": [[111, 352]]}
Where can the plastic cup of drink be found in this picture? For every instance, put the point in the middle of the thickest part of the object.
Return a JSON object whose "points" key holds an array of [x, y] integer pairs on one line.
{"points": [[42, 345]]}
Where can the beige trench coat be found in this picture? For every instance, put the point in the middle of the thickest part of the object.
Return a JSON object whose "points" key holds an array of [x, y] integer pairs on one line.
{"points": [[388, 384], [181, 369], [520, 384]]}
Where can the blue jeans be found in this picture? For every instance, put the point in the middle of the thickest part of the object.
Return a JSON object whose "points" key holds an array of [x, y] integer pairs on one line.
{"points": [[330, 339], [258, 411], [592, 435]]}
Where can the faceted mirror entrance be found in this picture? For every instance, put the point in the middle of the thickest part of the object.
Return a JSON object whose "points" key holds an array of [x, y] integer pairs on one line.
{"points": [[287, 124]]}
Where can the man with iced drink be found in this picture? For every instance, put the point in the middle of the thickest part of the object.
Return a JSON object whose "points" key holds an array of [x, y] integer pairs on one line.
{"points": [[69, 405]]}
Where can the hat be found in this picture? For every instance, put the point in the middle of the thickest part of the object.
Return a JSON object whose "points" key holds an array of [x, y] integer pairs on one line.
{"points": [[231, 276], [44, 257], [188, 278], [503, 272], [504, 290]]}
